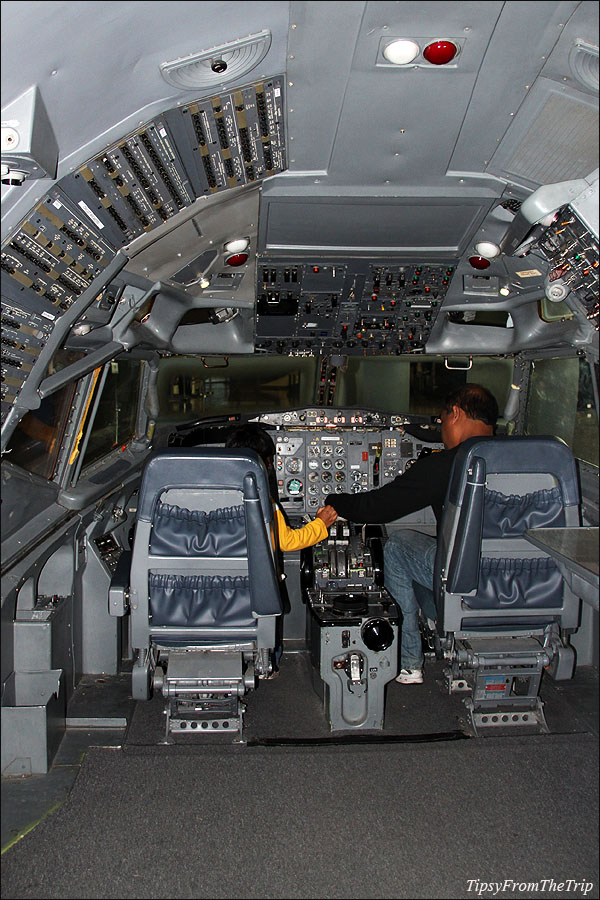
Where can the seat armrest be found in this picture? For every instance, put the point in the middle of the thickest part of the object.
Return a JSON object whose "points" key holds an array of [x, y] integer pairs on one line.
{"points": [[118, 592]]}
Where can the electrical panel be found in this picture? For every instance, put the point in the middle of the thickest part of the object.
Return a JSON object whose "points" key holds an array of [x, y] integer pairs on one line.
{"points": [[53, 257], [24, 335], [130, 189], [572, 251], [233, 139], [196, 150], [351, 307]]}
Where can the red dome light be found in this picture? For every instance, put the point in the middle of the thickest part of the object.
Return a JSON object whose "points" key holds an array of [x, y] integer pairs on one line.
{"points": [[237, 259], [440, 52], [478, 262]]}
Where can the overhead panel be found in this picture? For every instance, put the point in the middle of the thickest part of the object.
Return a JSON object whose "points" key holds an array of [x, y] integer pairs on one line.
{"points": [[133, 187], [200, 149], [53, 257], [50, 261], [232, 139]]}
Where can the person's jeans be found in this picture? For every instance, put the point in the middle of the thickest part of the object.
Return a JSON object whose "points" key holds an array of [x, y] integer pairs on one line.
{"points": [[409, 556]]}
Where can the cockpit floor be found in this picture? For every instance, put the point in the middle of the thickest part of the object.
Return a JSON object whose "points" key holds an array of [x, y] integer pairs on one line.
{"points": [[424, 817]]}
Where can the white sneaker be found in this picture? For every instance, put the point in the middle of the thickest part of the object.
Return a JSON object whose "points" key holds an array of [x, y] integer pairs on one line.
{"points": [[410, 676]]}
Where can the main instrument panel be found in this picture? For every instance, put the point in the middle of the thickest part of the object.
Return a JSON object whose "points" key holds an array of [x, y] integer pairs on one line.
{"points": [[320, 452]]}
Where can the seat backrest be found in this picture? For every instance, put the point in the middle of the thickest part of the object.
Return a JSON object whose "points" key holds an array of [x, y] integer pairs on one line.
{"points": [[204, 567], [487, 575]]}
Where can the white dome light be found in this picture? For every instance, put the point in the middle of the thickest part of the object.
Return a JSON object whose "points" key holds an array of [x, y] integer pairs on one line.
{"points": [[487, 249], [400, 53], [237, 246]]}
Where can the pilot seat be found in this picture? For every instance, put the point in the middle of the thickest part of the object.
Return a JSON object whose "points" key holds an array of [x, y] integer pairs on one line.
{"points": [[504, 611], [201, 585]]}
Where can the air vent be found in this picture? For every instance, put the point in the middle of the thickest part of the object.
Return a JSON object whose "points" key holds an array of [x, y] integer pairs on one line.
{"points": [[218, 65], [512, 205], [583, 60]]}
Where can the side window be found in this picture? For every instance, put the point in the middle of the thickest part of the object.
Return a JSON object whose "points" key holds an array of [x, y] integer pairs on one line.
{"points": [[35, 442], [115, 418], [561, 402]]}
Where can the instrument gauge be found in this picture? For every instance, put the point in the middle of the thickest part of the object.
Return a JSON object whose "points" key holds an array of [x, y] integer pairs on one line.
{"points": [[294, 487], [327, 449], [313, 464], [339, 449], [294, 465], [326, 463]]}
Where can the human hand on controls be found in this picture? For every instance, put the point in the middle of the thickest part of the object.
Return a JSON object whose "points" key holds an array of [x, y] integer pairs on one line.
{"points": [[328, 514]]}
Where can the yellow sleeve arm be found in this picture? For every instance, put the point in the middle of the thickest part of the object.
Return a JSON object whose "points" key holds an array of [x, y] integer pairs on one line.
{"points": [[298, 538]]}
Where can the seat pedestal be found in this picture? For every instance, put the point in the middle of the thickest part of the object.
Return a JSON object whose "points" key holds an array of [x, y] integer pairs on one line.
{"points": [[503, 677], [204, 690]]}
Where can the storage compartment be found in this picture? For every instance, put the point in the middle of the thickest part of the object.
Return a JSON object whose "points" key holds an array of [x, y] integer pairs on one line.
{"points": [[33, 721]]}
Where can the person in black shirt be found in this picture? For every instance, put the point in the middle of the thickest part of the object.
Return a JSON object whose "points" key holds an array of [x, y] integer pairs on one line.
{"points": [[469, 411]]}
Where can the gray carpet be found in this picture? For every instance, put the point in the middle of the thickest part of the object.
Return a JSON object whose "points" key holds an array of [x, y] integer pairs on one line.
{"points": [[288, 707], [385, 821]]}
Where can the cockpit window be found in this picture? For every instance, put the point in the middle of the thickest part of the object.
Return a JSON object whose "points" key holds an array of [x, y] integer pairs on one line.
{"points": [[116, 415], [191, 388], [561, 402], [36, 440], [417, 386]]}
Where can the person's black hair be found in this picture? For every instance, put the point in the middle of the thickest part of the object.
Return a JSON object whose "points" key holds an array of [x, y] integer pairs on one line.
{"points": [[253, 436], [476, 401]]}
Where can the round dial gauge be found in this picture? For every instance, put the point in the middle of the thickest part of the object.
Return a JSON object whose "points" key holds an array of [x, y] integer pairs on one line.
{"points": [[294, 487], [294, 465], [313, 464]]}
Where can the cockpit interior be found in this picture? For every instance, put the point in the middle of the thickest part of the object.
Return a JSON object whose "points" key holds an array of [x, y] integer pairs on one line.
{"points": [[321, 218]]}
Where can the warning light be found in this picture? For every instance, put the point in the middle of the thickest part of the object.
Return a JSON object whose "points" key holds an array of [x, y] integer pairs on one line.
{"points": [[238, 259], [478, 262], [440, 52]]}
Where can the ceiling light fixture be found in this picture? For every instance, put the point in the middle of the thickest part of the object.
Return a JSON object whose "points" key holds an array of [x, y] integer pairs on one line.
{"points": [[401, 52], [238, 245], [487, 249]]}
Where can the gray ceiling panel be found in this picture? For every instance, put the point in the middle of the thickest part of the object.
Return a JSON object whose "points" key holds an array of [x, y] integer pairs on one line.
{"points": [[518, 46]]}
